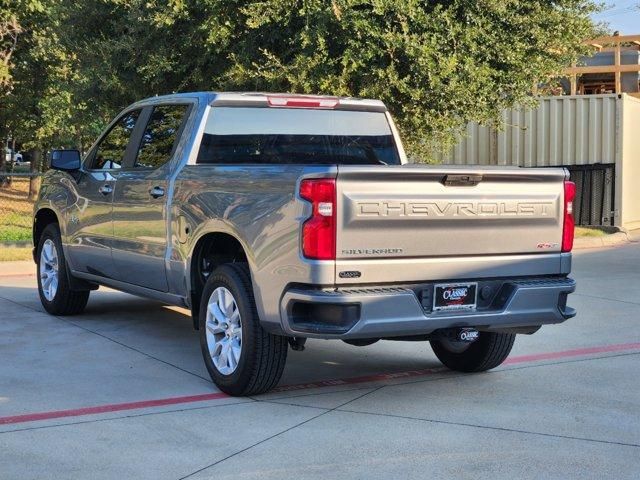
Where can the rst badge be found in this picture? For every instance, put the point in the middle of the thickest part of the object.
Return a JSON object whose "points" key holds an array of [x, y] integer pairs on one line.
{"points": [[455, 296]]}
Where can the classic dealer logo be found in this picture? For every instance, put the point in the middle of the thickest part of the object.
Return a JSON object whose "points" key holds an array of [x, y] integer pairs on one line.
{"points": [[455, 294]]}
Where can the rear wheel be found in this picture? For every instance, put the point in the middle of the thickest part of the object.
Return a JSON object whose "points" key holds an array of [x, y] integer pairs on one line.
{"points": [[241, 357], [485, 353], [54, 288]]}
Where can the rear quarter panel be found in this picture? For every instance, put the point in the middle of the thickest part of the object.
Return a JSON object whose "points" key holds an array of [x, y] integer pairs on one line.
{"points": [[258, 205]]}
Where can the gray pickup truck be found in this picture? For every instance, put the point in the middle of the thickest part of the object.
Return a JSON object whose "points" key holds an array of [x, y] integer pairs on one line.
{"points": [[276, 218]]}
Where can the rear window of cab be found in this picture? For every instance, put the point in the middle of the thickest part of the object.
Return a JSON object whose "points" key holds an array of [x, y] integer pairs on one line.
{"points": [[254, 135]]}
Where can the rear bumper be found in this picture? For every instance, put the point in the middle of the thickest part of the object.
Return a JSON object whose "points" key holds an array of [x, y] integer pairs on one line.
{"points": [[375, 312]]}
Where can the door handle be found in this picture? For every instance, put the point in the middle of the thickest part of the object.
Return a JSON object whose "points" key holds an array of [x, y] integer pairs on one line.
{"points": [[105, 189], [157, 192]]}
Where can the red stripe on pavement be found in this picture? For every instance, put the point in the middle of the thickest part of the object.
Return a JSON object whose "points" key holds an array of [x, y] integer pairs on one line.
{"points": [[117, 407], [578, 352], [430, 371], [14, 275]]}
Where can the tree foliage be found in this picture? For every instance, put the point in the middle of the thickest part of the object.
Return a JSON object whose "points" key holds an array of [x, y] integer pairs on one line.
{"points": [[436, 64], [9, 31]]}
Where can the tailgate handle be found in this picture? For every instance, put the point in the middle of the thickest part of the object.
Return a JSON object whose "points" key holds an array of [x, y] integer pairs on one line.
{"points": [[464, 180]]}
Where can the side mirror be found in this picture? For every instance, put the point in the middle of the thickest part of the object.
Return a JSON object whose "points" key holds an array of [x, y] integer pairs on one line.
{"points": [[67, 160]]}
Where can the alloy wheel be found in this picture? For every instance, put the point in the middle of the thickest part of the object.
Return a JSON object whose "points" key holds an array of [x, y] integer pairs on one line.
{"points": [[49, 270], [224, 331]]}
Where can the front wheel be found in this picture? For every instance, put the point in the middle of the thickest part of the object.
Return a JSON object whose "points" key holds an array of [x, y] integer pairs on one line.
{"points": [[485, 353], [241, 357], [54, 289]]}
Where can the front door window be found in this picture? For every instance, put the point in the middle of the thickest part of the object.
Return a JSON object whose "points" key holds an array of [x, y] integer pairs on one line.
{"points": [[111, 150]]}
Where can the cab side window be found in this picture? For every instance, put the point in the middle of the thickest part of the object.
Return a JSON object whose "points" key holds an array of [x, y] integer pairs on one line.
{"points": [[160, 136], [111, 149]]}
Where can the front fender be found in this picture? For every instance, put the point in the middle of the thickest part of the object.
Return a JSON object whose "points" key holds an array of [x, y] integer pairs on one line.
{"points": [[56, 194]]}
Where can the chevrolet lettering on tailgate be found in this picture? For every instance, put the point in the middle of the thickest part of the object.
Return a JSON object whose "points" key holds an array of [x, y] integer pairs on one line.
{"points": [[452, 210]]}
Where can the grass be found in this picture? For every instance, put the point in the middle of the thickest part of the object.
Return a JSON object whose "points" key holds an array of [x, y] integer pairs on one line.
{"points": [[15, 220], [15, 212], [14, 234], [12, 254], [590, 232]]}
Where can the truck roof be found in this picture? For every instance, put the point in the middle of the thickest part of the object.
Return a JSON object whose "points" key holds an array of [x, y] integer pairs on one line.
{"points": [[263, 99]]}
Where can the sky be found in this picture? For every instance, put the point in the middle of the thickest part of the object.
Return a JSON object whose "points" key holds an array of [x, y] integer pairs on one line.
{"points": [[622, 15]]}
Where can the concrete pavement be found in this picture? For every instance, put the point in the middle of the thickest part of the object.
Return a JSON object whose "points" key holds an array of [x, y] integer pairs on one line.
{"points": [[122, 393]]}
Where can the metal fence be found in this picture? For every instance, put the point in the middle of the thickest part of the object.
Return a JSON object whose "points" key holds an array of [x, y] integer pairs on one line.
{"points": [[16, 206], [577, 130], [595, 193]]}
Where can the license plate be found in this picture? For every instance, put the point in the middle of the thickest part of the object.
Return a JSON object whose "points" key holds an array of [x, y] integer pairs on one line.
{"points": [[455, 296]]}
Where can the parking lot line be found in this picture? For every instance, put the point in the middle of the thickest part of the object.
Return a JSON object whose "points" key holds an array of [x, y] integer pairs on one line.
{"points": [[17, 275], [577, 352], [117, 407], [114, 407]]}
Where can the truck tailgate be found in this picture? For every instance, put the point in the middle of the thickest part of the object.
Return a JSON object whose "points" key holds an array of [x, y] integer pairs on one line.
{"points": [[419, 212]]}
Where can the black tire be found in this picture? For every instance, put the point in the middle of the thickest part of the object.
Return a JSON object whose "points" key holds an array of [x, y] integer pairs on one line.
{"points": [[487, 352], [263, 355], [65, 301]]}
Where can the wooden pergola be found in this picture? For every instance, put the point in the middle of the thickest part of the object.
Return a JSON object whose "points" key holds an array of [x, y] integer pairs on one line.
{"points": [[616, 44]]}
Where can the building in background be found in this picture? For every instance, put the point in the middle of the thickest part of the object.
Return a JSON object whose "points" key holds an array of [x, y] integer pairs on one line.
{"points": [[614, 68]]}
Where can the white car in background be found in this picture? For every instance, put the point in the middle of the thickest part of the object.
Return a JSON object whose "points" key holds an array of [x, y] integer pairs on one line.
{"points": [[17, 157]]}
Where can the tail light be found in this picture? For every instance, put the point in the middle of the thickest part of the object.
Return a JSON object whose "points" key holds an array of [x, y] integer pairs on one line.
{"points": [[569, 223], [319, 231]]}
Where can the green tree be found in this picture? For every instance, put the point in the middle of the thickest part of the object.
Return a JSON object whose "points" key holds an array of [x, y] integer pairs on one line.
{"points": [[46, 105], [9, 31]]}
